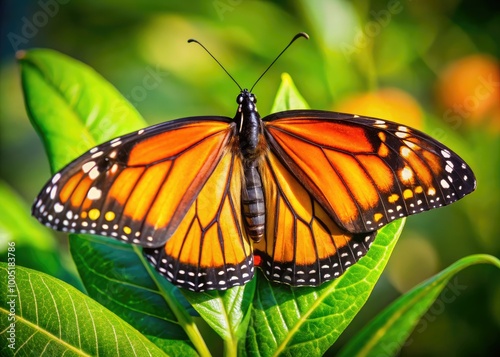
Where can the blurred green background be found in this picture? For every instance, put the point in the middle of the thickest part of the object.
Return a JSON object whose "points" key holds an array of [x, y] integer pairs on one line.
{"points": [[431, 65]]}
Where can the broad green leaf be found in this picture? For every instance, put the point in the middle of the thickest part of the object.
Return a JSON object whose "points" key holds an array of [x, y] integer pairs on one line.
{"points": [[307, 321], [54, 319], [73, 108], [226, 312], [288, 96], [117, 275], [387, 333]]}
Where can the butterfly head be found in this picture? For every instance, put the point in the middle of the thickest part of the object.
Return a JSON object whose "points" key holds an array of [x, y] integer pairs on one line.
{"points": [[246, 102]]}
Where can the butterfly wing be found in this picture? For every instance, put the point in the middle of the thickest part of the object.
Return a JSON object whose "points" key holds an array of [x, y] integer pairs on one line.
{"points": [[366, 172], [302, 246], [209, 249], [138, 187]]}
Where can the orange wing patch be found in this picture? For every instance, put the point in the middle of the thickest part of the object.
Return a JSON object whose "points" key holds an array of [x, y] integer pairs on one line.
{"points": [[209, 249], [303, 246]]}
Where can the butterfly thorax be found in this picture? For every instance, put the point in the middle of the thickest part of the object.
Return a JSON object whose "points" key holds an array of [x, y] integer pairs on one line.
{"points": [[250, 134]]}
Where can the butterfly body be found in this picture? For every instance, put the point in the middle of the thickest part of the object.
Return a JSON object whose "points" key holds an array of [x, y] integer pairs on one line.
{"points": [[299, 193], [252, 148]]}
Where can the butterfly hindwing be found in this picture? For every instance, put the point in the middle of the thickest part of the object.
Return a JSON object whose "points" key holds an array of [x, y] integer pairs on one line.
{"points": [[138, 187], [209, 249], [303, 246], [366, 172]]}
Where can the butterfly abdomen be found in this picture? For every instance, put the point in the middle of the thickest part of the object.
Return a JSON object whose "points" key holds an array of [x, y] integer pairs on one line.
{"points": [[252, 198]]}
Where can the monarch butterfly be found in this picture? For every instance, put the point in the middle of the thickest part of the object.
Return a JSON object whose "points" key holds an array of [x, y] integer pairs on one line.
{"points": [[299, 194]]}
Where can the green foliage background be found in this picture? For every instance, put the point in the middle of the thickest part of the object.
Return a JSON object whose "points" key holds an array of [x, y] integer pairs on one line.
{"points": [[355, 47]]}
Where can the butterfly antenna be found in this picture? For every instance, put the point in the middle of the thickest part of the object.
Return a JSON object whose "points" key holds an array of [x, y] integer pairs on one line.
{"points": [[199, 43], [300, 34]]}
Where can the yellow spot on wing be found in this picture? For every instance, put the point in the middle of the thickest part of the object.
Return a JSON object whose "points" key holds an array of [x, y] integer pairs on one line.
{"points": [[127, 230], [383, 150], [407, 194], [94, 213], [393, 198], [377, 216], [109, 216]]}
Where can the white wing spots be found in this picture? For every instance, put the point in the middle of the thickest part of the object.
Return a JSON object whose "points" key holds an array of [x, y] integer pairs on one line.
{"points": [[448, 169], [410, 144], [94, 173], [97, 154], [406, 174], [115, 142], [58, 208], [56, 178], [86, 167], [405, 151], [112, 154], [140, 132], [444, 184], [53, 192], [445, 153], [379, 122], [93, 150], [401, 134], [431, 191], [465, 178], [94, 194]]}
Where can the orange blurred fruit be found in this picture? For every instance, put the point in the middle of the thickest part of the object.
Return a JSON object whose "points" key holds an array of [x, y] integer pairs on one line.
{"points": [[389, 103], [468, 91]]}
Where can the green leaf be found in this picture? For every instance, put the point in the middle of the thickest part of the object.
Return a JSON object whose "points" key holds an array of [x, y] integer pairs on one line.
{"points": [[52, 318], [118, 276], [307, 321], [226, 312], [386, 334], [288, 96], [73, 108]]}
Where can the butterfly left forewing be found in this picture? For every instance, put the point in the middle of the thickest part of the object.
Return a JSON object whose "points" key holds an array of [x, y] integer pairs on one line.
{"points": [[366, 172], [209, 249], [302, 246], [137, 187]]}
